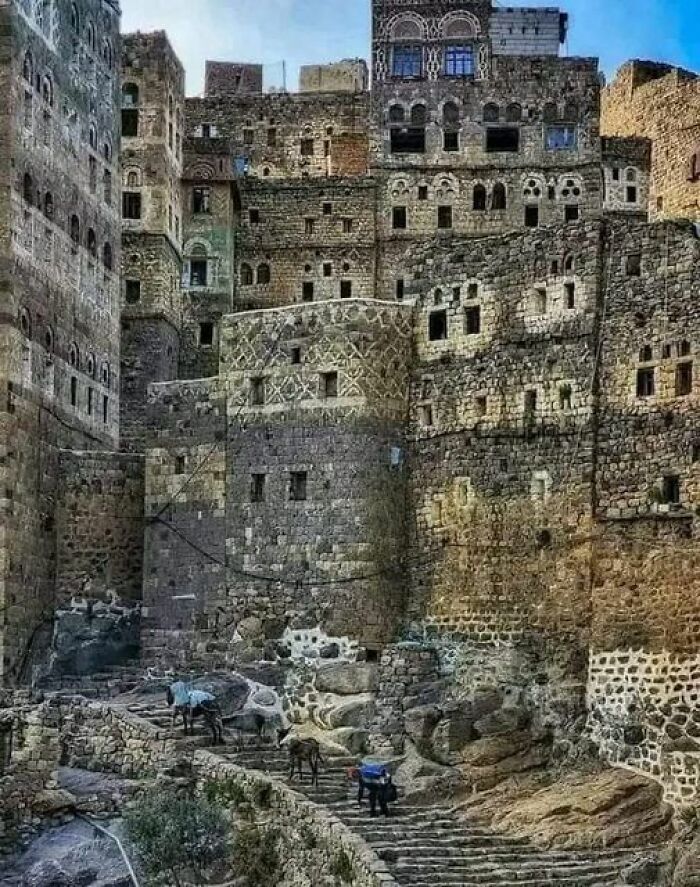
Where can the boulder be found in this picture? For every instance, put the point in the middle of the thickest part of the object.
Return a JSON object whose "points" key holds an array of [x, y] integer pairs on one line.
{"points": [[250, 628], [47, 874], [353, 739], [687, 872], [358, 712], [422, 781], [50, 802], [231, 691], [330, 651], [643, 872], [501, 722], [347, 678], [420, 724], [85, 642]]}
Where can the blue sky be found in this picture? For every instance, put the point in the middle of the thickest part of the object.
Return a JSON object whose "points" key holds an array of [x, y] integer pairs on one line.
{"points": [[307, 31]]}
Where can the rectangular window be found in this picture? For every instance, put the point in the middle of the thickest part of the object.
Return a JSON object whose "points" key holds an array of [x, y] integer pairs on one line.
{"points": [[571, 213], [201, 198], [105, 409], [131, 205], [307, 293], [257, 487], [399, 218], [570, 295], [248, 136], [327, 269], [132, 291], [450, 141], [426, 415], [565, 397], [616, 174], [672, 489], [91, 394], [307, 147], [532, 216], [309, 227], [199, 272], [329, 385], [73, 391], [502, 139], [296, 355], [298, 482], [541, 300], [444, 217], [633, 265], [472, 320], [327, 209], [481, 405], [257, 392], [407, 62], [561, 138], [646, 382], [684, 379], [130, 123], [345, 289], [347, 226], [206, 130], [271, 138], [530, 404], [206, 335], [180, 465], [459, 61], [409, 140], [254, 216], [437, 326], [400, 289], [631, 194], [422, 192]]}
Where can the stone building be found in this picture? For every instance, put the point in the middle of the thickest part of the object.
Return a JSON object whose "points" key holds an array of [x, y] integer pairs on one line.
{"points": [[660, 103], [60, 254]]}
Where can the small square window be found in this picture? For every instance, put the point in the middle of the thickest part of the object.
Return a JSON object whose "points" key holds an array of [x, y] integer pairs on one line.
{"points": [[345, 289], [307, 293], [329, 385], [327, 269], [437, 326], [444, 218], [422, 192], [257, 488], [684, 379], [327, 209], [646, 382], [571, 213], [257, 392], [206, 334], [399, 218], [307, 148], [450, 141], [472, 320], [298, 482]]}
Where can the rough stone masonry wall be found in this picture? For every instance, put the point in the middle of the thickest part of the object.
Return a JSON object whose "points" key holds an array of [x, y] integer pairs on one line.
{"points": [[661, 103], [99, 527]]}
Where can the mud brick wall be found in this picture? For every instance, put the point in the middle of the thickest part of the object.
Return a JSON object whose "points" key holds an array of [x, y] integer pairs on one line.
{"points": [[99, 527], [660, 103]]}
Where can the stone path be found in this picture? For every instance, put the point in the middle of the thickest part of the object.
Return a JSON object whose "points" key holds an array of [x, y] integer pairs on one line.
{"points": [[431, 846]]}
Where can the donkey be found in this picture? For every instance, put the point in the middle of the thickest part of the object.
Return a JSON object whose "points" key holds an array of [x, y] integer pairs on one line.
{"points": [[301, 751], [192, 704]]}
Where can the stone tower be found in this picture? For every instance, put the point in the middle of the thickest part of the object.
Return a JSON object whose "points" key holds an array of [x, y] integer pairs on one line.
{"points": [[59, 257], [153, 85]]}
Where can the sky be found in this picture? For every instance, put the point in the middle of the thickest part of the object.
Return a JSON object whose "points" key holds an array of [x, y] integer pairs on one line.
{"points": [[310, 31]]}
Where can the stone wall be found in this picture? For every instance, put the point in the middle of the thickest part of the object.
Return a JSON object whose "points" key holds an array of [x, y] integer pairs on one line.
{"points": [[661, 103], [311, 841], [350, 75]]}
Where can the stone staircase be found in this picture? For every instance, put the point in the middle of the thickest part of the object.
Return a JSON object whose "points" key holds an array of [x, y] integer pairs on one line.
{"points": [[426, 846]]}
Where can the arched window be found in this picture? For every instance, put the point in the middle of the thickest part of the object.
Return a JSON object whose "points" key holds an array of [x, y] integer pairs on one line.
{"points": [[105, 374], [130, 95], [28, 189], [450, 114], [92, 136], [263, 273], [514, 113], [28, 68], [107, 53], [92, 242], [48, 340], [75, 231], [133, 179], [631, 175], [90, 366], [246, 275], [48, 205], [407, 36], [25, 322], [47, 90], [550, 112], [107, 151], [479, 198], [107, 257], [492, 113], [408, 28], [74, 356], [74, 18], [499, 199], [419, 115], [90, 36], [569, 263], [397, 114]]}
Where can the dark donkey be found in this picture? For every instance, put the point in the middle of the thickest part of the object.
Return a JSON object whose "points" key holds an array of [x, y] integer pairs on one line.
{"points": [[192, 704], [303, 751]]}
